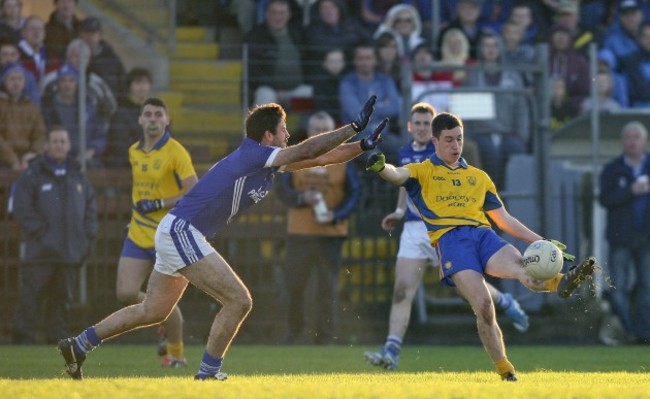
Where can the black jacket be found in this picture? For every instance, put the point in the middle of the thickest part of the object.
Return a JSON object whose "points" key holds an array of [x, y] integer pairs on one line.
{"points": [[57, 214], [263, 53], [616, 195]]}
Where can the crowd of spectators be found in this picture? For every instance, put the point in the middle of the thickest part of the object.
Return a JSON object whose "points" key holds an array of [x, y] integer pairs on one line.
{"points": [[332, 51], [39, 81], [496, 40]]}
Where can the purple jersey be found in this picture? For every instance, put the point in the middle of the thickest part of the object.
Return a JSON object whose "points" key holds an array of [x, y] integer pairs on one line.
{"points": [[408, 154], [231, 186]]}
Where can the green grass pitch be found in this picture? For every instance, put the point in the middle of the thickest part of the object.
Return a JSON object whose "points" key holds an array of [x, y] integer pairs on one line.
{"points": [[132, 371]]}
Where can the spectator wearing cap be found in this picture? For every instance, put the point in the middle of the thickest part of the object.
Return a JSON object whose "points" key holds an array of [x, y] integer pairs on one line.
{"points": [[62, 109], [62, 27], [103, 59], [22, 131], [35, 57], [620, 91], [620, 38], [568, 14], [9, 54], [97, 89]]}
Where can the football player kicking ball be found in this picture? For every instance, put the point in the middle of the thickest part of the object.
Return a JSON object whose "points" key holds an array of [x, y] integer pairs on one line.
{"points": [[416, 253], [184, 255], [455, 200]]}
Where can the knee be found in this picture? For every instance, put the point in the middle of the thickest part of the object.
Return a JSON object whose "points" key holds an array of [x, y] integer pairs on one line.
{"points": [[242, 303], [155, 315], [400, 292]]}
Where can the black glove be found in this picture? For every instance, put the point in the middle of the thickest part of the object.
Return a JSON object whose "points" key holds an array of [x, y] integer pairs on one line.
{"points": [[376, 162], [374, 138], [364, 116], [148, 206]]}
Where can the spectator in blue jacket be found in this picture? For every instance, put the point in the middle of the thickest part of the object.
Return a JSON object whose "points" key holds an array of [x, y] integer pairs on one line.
{"points": [[620, 38], [55, 207], [625, 192], [635, 69], [364, 81]]}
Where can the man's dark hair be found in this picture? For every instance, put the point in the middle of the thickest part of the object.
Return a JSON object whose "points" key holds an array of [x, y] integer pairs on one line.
{"points": [[56, 128], [444, 121], [262, 118], [138, 73], [156, 102]]}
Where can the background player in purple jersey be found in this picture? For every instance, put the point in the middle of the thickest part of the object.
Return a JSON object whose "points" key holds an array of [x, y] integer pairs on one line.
{"points": [[183, 253], [416, 253]]}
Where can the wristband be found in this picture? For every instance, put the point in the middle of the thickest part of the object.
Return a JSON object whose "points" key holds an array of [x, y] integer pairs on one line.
{"points": [[399, 212]]}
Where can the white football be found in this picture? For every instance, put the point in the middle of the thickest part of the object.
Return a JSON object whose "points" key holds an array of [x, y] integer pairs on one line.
{"points": [[542, 260]]}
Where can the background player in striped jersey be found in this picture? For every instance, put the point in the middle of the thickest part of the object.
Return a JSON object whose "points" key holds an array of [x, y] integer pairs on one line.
{"points": [[455, 201], [162, 172], [415, 251], [183, 253]]}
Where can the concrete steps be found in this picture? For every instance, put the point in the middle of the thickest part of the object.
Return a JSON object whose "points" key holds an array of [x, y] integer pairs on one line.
{"points": [[202, 90]]}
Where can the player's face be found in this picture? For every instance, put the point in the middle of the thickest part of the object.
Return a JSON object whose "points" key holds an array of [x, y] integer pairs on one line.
{"points": [[281, 136], [420, 127], [154, 120], [449, 145]]}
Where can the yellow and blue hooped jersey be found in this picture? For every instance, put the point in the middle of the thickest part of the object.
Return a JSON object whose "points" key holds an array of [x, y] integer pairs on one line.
{"points": [[156, 174], [447, 198]]}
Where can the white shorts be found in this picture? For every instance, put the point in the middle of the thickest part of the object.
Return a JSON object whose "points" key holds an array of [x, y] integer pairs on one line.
{"points": [[178, 244], [414, 243]]}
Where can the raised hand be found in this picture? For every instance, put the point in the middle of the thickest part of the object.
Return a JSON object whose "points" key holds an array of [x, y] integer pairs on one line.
{"points": [[374, 138], [364, 116]]}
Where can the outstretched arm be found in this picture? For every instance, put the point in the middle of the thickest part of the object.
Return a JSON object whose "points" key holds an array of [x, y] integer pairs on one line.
{"points": [[316, 146], [391, 173], [344, 152]]}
